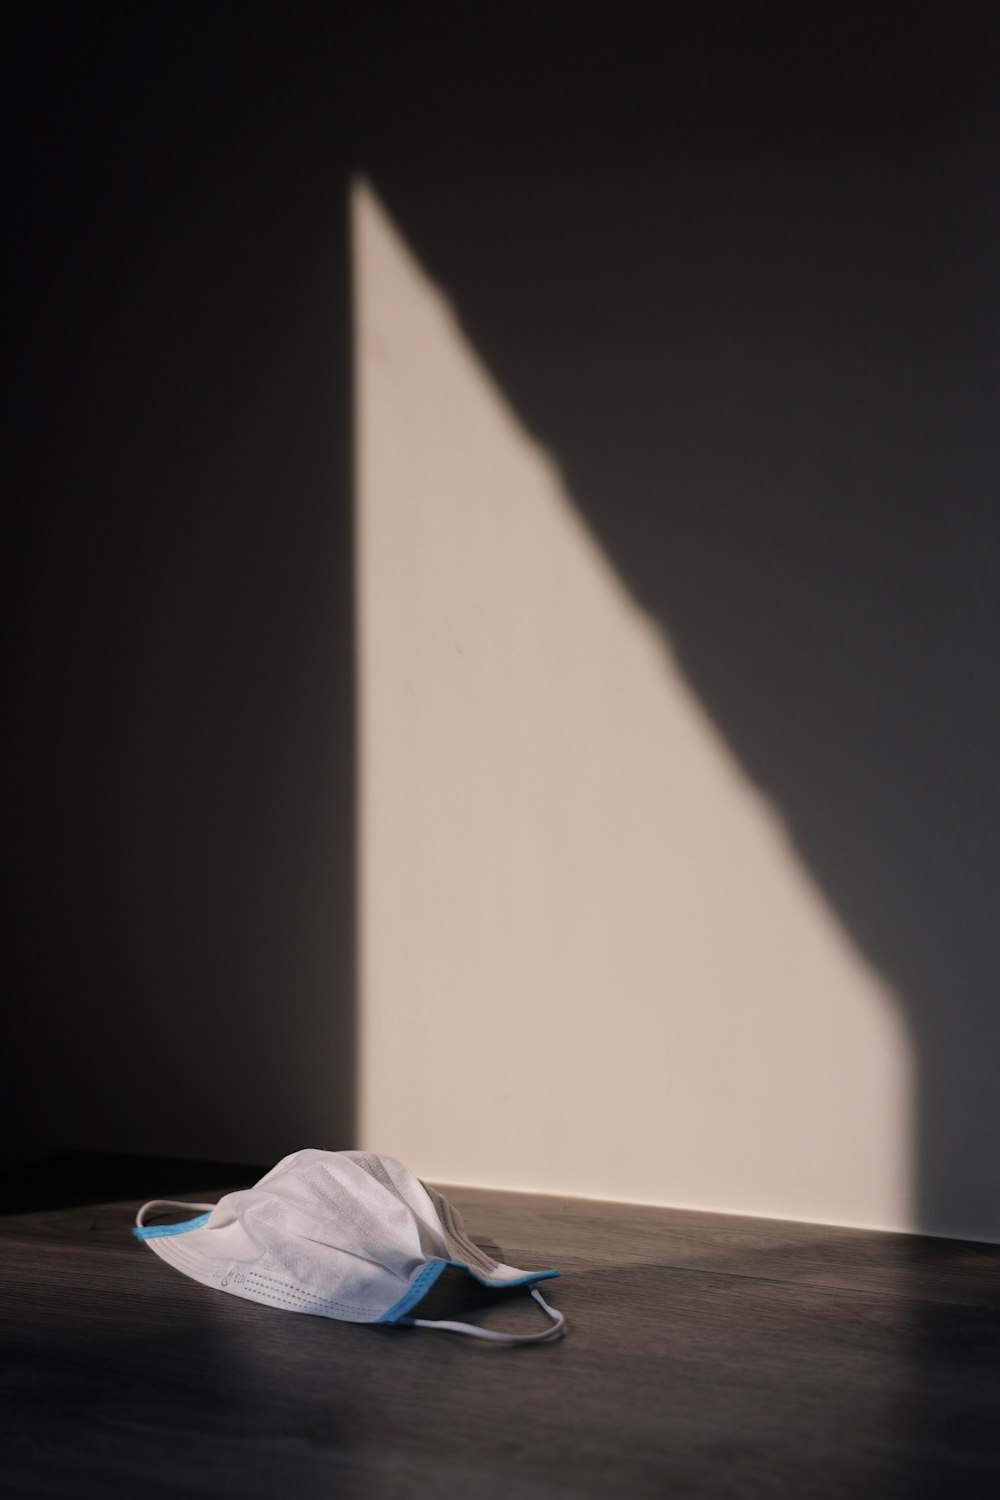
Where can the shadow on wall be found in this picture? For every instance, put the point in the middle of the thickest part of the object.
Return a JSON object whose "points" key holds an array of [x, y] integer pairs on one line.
{"points": [[735, 273], [180, 965]]}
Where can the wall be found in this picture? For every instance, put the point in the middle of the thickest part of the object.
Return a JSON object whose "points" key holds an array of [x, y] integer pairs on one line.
{"points": [[708, 803], [180, 903], [592, 961], [679, 627]]}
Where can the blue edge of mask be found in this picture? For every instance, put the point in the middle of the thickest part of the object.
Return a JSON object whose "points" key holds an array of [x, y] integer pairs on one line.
{"points": [[417, 1289], [166, 1231]]}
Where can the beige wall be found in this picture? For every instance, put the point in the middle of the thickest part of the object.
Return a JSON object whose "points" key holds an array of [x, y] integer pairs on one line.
{"points": [[590, 960]]}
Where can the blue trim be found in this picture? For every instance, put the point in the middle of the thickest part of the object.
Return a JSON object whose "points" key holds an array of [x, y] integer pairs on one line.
{"points": [[433, 1269], [161, 1231], [417, 1289]]}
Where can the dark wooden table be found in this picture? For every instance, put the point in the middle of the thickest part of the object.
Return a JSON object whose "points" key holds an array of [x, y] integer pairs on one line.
{"points": [[706, 1356]]}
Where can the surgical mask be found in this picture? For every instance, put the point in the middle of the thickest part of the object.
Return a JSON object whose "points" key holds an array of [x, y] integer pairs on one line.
{"points": [[342, 1234]]}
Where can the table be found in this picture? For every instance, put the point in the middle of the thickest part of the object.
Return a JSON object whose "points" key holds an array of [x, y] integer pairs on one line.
{"points": [[706, 1355]]}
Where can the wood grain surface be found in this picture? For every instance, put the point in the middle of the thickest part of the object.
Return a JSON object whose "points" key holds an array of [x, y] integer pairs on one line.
{"points": [[705, 1356]]}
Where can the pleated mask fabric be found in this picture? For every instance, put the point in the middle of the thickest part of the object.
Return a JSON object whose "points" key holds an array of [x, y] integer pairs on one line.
{"points": [[352, 1235]]}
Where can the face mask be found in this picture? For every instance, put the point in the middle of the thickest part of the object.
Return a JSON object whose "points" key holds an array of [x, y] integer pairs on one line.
{"points": [[343, 1234]]}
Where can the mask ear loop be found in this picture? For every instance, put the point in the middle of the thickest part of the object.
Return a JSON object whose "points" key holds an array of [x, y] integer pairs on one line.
{"points": [[558, 1323], [140, 1217]]}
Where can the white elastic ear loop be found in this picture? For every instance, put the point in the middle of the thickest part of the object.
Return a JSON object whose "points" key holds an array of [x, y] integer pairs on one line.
{"points": [[140, 1217], [558, 1322]]}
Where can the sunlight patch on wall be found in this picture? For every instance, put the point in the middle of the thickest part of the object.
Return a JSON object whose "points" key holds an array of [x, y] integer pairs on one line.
{"points": [[591, 961]]}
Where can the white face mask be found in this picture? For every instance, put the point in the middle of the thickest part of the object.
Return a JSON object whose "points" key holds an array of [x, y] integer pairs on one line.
{"points": [[344, 1234]]}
